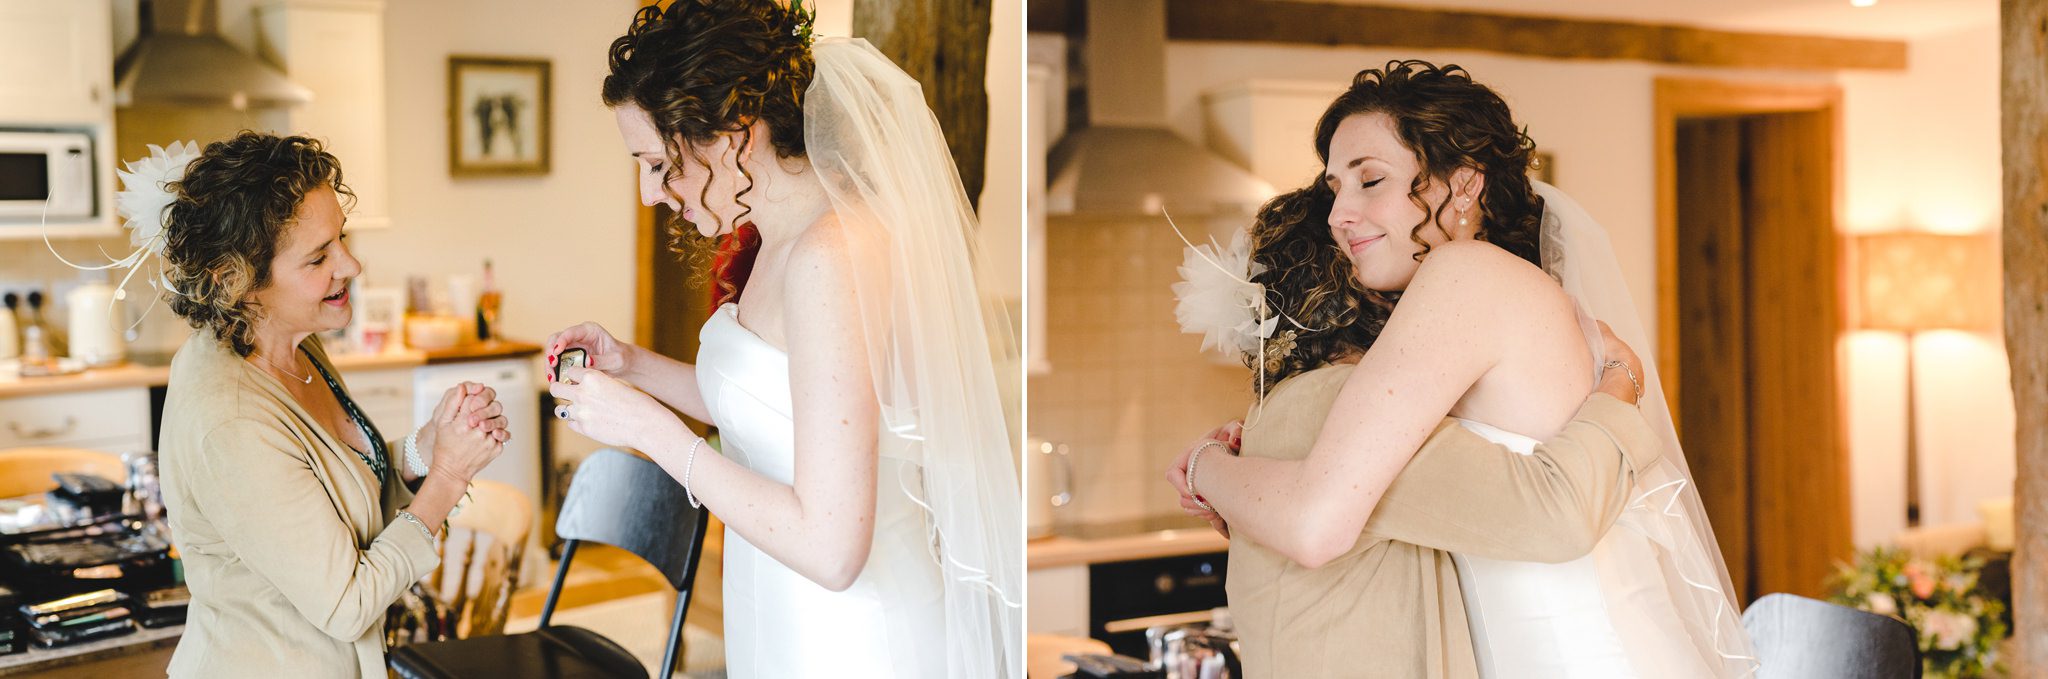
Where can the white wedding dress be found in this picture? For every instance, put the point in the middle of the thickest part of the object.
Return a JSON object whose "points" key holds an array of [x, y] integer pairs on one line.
{"points": [[778, 623], [1604, 615]]}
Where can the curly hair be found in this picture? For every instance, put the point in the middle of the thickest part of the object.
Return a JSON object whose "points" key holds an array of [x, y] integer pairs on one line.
{"points": [[1450, 122], [705, 67], [227, 217], [1309, 278]]}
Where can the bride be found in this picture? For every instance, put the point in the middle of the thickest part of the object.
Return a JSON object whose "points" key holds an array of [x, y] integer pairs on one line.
{"points": [[865, 475], [1493, 281]]}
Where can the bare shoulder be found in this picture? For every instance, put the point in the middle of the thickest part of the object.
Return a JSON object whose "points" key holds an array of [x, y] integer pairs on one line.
{"points": [[825, 272], [1478, 275]]}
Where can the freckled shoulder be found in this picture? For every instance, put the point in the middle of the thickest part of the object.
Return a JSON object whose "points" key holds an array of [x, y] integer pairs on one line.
{"points": [[1474, 272], [831, 262]]}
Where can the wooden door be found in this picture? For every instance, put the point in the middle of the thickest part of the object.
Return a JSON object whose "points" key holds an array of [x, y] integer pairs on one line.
{"points": [[1750, 322]]}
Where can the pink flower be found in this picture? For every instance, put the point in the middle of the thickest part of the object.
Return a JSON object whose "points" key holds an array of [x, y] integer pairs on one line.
{"points": [[1948, 629], [1919, 580]]}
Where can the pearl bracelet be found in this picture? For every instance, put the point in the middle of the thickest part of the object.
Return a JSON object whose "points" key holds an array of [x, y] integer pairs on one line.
{"points": [[690, 465], [1192, 459], [412, 454]]}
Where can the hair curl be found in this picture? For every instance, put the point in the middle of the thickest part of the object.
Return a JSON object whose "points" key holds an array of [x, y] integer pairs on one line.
{"points": [[227, 217], [705, 67], [1450, 121], [1309, 278]]}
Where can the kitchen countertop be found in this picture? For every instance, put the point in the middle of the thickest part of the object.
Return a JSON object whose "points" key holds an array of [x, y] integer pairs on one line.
{"points": [[141, 375], [1123, 541]]}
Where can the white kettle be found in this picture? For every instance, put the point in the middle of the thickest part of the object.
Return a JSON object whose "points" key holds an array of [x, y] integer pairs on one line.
{"points": [[94, 313]]}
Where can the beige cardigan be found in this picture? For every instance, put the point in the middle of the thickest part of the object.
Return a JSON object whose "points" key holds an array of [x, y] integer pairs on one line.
{"points": [[1392, 606], [290, 549]]}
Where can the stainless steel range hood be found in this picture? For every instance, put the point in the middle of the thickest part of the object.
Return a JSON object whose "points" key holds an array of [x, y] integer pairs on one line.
{"points": [[180, 59], [1127, 162]]}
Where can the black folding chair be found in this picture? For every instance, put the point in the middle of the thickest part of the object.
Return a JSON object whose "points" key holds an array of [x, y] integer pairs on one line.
{"points": [[1800, 638], [616, 499]]}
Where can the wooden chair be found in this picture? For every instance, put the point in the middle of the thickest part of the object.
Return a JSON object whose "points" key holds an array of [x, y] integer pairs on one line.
{"points": [[617, 499], [27, 471], [491, 533], [1800, 638]]}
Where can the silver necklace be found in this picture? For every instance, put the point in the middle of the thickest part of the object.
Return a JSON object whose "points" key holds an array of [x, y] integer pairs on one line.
{"points": [[308, 379]]}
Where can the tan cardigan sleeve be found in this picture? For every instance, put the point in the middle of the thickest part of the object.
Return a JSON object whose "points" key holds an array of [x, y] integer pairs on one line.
{"points": [[1463, 493], [261, 494]]}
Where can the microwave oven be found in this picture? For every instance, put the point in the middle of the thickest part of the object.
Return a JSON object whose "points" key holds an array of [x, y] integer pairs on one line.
{"points": [[46, 175]]}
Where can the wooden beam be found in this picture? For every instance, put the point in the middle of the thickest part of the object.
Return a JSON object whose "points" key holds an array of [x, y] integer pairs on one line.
{"points": [[1304, 23], [944, 45], [2024, 99]]}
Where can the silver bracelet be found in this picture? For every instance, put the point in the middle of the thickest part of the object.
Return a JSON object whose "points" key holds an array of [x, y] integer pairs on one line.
{"points": [[1631, 378], [1192, 459], [412, 454], [690, 465], [407, 515]]}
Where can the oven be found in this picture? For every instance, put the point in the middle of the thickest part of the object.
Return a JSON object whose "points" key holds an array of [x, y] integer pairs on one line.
{"points": [[1127, 597]]}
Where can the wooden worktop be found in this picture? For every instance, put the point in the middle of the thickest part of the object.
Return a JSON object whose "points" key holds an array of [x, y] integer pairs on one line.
{"points": [[1062, 550], [131, 375]]}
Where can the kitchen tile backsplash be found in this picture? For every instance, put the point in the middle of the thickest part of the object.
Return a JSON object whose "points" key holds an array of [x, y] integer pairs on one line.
{"points": [[28, 265], [1127, 390]]}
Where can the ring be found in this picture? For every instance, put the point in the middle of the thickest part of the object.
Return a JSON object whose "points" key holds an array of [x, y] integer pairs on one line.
{"points": [[562, 412]]}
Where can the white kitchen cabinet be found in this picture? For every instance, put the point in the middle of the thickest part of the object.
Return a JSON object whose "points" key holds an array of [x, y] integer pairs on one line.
{"points": [[386, 397], [57, 72], [59, 59], [111, 420], [336, 49], [1058, 601], [513, 379]]}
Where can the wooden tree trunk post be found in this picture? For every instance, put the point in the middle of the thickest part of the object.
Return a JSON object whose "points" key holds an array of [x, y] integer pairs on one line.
{"points": [[2024, 95], [944, 45]]}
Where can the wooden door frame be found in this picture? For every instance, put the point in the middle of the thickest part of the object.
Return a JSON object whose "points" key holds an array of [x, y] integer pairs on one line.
{"points": [[1690, 97], [1821, 104]]}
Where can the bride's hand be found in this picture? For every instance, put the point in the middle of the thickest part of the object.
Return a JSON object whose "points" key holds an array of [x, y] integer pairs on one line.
{"points": [[1616, 383], [610, 410], [604, 353]]}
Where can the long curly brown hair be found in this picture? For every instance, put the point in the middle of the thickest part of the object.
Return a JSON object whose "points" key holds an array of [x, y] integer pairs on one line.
{"points": [[1450, 121], [1309, 278], [701, 68], [227, 217]]}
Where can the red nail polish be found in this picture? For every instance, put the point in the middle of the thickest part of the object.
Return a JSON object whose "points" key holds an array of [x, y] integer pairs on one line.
{"points": [[551, 359]]}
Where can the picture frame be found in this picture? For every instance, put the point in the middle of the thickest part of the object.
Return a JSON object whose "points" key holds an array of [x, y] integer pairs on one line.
{"points": [[500, 116]]}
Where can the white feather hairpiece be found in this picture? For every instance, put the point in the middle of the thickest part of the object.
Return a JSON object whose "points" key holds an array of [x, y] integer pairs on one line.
{"points": [[1216, 297], [146, 195], [1218, 300]]}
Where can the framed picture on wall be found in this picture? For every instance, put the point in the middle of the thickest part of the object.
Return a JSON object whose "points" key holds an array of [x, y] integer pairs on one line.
{"points": [[498, 116]]}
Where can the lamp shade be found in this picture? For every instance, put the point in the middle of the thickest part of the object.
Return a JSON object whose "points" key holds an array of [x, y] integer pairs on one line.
{"points": [[1913, 281]]}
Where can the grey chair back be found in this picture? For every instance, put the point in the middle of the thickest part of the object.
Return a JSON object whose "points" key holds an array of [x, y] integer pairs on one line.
{"points": [[1800, 638], [629, 502]]}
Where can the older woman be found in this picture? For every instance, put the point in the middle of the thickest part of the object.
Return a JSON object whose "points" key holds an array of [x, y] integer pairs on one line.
{"points": [[297, 522]]}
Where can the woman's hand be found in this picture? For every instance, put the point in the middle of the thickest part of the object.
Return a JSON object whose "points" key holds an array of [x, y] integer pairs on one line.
{"points": [[465, 438], [604, 353], [480, 407], [610, 410], [1616, 383], [1230, 435]]}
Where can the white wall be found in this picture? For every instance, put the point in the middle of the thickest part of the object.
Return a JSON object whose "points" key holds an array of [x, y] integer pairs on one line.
{"points": [[1923, 154], [562, 243], [1921, 149]]}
